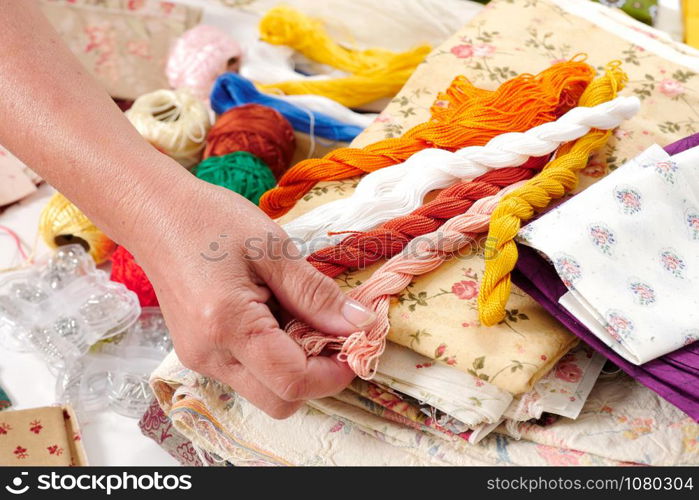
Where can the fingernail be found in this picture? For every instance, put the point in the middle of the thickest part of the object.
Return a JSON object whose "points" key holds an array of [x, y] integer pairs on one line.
{"points": [[357, 314]]}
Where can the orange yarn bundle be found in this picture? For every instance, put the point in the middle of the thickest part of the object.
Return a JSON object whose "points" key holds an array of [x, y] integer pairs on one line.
{"points": [[471, 117], [259, 130]]}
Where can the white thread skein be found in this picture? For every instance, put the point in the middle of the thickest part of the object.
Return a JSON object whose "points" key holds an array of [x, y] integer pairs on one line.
{"points": [[399, 189], [266, 63], [174, 121], [329, 107]]}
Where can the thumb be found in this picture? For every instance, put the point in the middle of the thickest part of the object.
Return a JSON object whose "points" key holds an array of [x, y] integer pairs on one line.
{"points": [[314, 298]]}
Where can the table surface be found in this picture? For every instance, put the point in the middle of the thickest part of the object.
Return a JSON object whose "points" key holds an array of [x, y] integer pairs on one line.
{"points": [[109, 438]]}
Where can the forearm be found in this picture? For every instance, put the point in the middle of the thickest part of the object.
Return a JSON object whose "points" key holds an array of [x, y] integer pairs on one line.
{"points": [[58, 120]]}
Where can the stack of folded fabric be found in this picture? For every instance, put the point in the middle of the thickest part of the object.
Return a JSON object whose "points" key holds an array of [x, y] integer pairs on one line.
{"points": [[624, 250], [436, 391]]}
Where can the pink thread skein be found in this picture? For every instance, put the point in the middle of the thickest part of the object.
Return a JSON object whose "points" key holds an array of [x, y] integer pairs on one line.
{"points": [[362, 349], [198, 57]]}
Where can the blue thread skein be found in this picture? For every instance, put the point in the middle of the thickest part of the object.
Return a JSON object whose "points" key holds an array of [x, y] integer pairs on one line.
{"points": [[232, 90]]}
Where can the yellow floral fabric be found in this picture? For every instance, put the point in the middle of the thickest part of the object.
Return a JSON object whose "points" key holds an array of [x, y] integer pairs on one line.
{"points": [[437, 316]]}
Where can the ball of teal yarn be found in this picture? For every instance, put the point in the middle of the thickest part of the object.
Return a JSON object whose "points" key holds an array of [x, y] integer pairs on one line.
{"points": [[240, 171]]}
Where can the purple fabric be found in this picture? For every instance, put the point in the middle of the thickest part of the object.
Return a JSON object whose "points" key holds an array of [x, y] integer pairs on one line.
{"points": [[682, 144], [674, 376]]}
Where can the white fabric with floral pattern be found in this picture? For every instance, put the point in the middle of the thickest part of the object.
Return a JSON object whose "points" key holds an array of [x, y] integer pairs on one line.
{"points": [[627, 248]]}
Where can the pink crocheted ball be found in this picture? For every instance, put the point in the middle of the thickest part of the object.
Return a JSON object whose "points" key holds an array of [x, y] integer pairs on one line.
{"points": [[199, 56]]}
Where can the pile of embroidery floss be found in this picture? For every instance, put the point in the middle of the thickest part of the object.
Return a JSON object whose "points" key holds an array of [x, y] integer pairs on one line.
{"points": [[257, 129], [469, 121], [62, 223], [199, 56], [174, 121]]}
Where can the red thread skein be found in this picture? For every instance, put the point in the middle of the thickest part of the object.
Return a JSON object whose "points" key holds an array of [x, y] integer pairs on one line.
{"points": [[257, 129]]}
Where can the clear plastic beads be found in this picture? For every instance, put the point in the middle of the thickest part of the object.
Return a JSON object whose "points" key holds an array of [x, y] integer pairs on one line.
{"points": [[63, 306]]}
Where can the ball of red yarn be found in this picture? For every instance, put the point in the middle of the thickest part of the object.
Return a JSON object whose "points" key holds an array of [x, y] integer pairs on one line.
{"points": [[257, 129], [125, 270]]}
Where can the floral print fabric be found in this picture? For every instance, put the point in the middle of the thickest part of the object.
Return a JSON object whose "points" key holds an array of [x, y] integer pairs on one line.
{"points": [[460, 395], [672, 376], [124, 43], [626, 248], [47, 436], [157, 426]]}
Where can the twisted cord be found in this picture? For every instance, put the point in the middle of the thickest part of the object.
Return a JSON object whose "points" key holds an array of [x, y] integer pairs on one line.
{"points": [[471, 117]]}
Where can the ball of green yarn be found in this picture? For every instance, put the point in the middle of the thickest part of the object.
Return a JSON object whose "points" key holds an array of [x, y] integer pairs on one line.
{"points": [[240, 171]]}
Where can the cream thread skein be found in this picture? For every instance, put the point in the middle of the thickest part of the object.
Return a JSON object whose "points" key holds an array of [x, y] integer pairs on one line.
{"points": [[174, 121], [333, 109], [399, 189]]}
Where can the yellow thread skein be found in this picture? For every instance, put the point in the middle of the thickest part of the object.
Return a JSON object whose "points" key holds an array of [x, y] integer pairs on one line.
{"points": [[174, 121], [62, 223], [555, 180], [374, 73]]}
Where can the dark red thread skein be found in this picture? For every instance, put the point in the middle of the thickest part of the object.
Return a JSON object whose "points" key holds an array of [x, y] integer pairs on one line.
{"points": [[257, 129], [361, 249]]}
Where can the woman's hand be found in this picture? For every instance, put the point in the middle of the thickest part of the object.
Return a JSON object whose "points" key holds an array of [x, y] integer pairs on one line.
{"points": [[59, 121], [217, 263]]}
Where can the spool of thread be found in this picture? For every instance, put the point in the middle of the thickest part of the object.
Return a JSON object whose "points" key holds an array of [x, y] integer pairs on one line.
{"points": [[199, 56], [174, 121], [259, 130], [241, 172], [232, 90], [126, 270], [62, 223]]}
